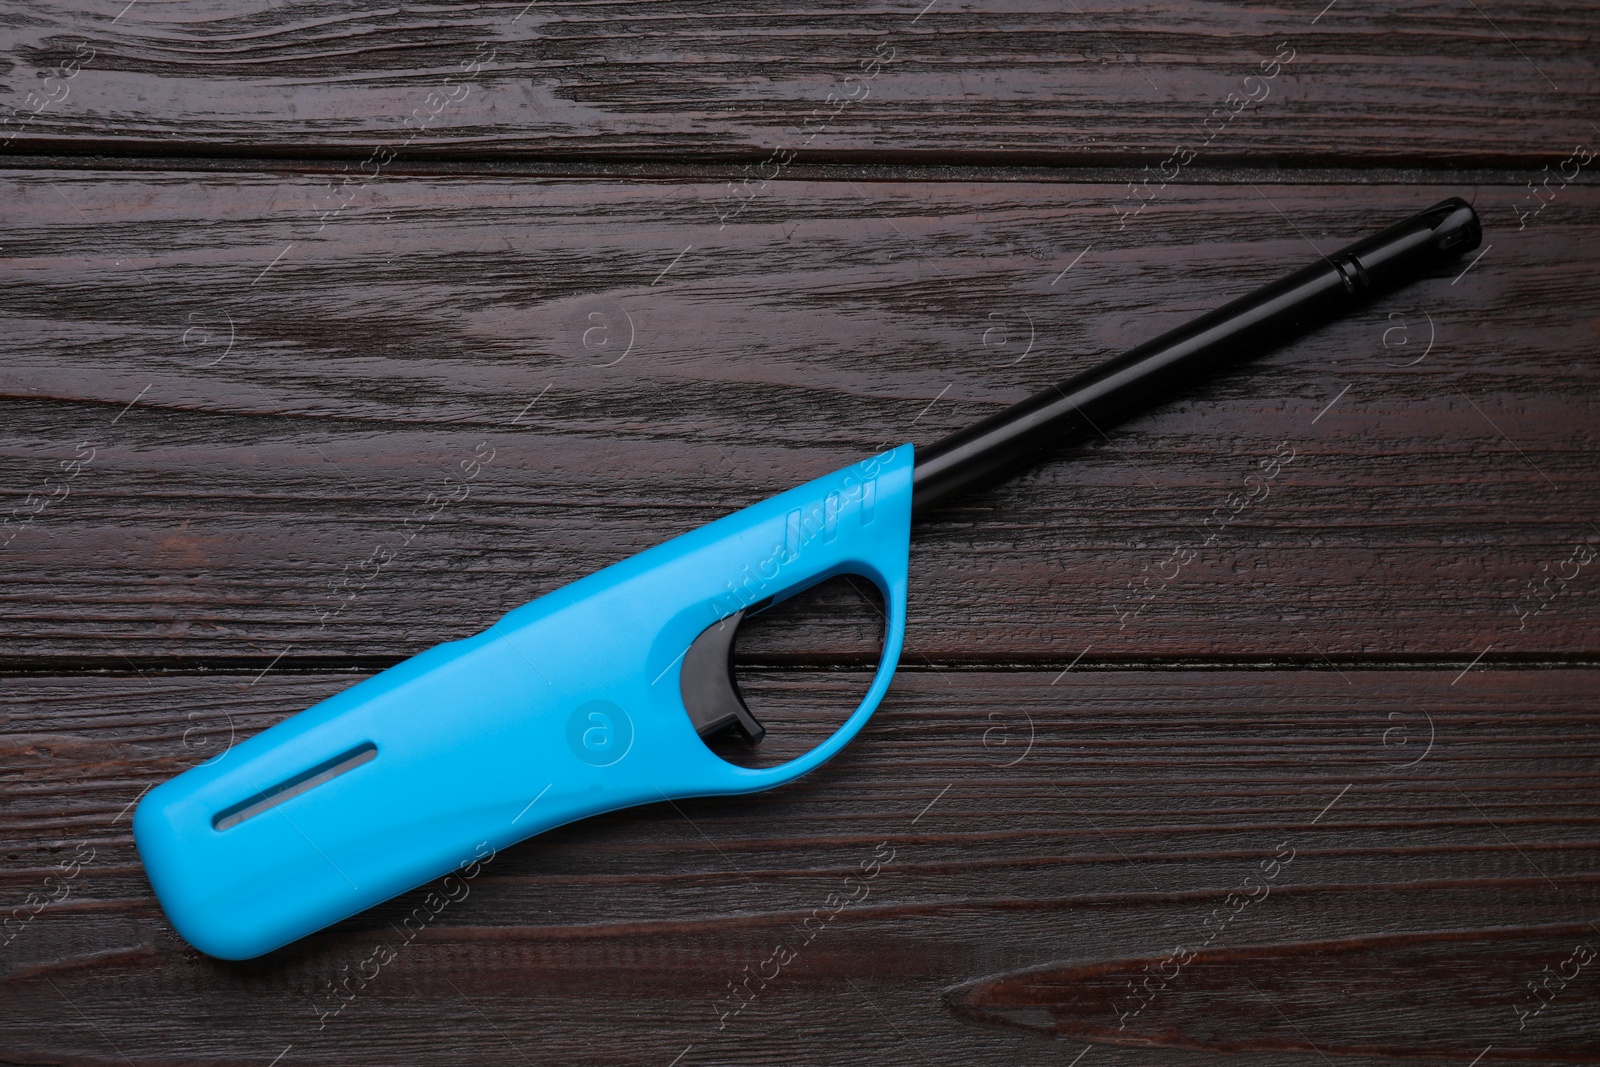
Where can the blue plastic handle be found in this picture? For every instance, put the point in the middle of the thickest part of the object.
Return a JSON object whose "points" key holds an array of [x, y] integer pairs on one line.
{"points": [[567, 707]]}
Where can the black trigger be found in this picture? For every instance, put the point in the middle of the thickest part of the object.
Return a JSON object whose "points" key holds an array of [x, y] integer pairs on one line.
{"points": [[709, 690]]}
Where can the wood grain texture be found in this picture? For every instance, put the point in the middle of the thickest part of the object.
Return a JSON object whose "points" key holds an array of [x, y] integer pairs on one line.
{"points": [[638, 369], [1338, 998], [1430, 82], [1093, 820]]}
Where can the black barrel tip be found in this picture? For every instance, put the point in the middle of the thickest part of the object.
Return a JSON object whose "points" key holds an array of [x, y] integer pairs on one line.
{"points": [[1456, 228]]}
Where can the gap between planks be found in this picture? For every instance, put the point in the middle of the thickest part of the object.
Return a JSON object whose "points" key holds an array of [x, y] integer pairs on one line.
{"points": [[712, 167], [114, 666]]}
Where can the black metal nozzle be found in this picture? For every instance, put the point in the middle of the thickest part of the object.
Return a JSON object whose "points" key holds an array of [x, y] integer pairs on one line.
{"points": [[1105, 395]]}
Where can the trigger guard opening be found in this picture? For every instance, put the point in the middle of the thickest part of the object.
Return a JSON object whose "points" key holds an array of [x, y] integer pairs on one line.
{"points": [[715, 703]]}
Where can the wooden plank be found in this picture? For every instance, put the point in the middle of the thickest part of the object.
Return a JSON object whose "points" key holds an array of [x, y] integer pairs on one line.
{"points": [[1338, 998], [1095, 820], [1429, 82], [257, 412]]}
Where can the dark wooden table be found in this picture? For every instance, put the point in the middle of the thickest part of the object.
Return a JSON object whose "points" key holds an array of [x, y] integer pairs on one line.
{"points": [[1319, 788]]}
